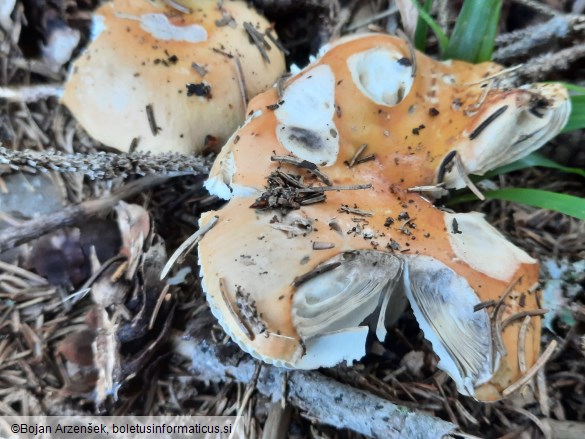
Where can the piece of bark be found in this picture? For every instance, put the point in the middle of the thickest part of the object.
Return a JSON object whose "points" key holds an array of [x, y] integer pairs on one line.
{"points": [[566, 429], [524, 42], [278, 421], [538, 68], [320, 398]]}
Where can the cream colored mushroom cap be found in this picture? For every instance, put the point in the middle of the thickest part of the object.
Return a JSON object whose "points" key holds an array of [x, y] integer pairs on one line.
{"points": [[144, 55]]}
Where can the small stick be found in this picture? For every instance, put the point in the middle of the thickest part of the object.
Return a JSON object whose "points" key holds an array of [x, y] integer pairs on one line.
{"points": [[355, 211], [244, 326], [178, 6], [522, 344], [482, 305], [313, 393], [305, 164], [202, 71], [241, 81], [314, 273], [186, 246], [258, 40], [463, 173], [320, 175], [336, 188], [518, 316], [291, 180], [533, 418], [411, 50], [497, 332], [495, 75], [159, 302], [313, 200], [151, 121], [357, 154], [533, 370], [277, 43], [503, 296], [366, 159], [376, 17], [542, 393], [70, 215]]}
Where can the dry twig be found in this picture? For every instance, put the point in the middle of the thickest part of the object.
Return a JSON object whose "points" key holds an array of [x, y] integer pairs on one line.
{"points": [[28, 230], [319, 398], [105, 165]]}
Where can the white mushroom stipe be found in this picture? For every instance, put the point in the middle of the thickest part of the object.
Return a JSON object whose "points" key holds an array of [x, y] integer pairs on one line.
{"points": [[159, 26], [305, 118], [443, 304], [382, 75], [482, 247]]}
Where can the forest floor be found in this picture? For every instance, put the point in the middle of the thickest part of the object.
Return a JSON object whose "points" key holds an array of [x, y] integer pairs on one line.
{"points": [[47, 315]]}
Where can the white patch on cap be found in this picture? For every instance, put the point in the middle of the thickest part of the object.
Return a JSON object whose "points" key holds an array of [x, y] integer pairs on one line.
{"points": [[483, 248], [60, 45], [333, 348], [380, 76], [305, 118], [220, 179], [159, 26], [443, 304], [98, 25]]}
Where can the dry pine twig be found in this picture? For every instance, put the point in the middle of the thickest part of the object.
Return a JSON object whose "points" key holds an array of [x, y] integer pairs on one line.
{"points": [[320, 398], [105, 165], [70, 215]]}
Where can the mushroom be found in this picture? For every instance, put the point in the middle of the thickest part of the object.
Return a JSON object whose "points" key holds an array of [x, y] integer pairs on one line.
{"points": [[301, 289], [322, 241], [171, 78], [418, 125]]}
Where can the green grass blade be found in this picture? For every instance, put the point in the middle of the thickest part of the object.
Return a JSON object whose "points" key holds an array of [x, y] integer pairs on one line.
{"points": [[475, 31], [426, 17], [531, 160], [573, 87], [577, 116], [422, 28], [563, 203]]}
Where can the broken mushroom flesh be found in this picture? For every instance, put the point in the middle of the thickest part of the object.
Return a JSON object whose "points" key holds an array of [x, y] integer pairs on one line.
{"points": [[319, 244], [166, 80]]}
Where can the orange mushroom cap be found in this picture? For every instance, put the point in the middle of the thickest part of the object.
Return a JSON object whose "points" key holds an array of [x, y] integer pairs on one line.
{"points": [[362, 91], [319, 245], [297, 289], [175, 81]]}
